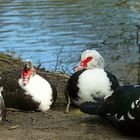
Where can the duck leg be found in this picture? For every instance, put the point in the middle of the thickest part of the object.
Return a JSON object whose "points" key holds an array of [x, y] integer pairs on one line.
{"points": [[68, 103]]}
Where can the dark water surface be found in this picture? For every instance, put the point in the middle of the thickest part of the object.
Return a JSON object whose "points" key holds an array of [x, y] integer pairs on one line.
{"points": [[55, 32]]}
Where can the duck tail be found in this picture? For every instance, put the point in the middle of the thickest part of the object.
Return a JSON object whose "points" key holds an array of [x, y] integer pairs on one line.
{"points": [[90, 108]]}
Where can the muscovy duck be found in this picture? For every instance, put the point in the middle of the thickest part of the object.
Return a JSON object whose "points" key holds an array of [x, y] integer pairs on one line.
{"points": [[26, 90], [90, 82], [122, 108]]}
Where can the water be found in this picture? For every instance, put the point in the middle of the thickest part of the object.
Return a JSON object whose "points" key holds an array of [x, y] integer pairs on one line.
{"points": [[55, 32]]}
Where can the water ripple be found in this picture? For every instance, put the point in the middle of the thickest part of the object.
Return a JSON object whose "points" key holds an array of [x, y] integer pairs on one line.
{"points": [[49, 31]]}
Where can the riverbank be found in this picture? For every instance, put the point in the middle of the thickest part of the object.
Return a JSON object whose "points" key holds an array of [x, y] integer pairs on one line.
{"points": [[55, 124]]}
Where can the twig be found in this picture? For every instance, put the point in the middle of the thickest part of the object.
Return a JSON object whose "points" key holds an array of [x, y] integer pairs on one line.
{"points": [[18, 110], [137, 37], [14, 110], [139, 71], [138, 44], [46, 114], [34, 120], [55, 74], [41, 128], [38, 67], [121, 3], [11, 127], [57, 61], [68, 102], [63, 70]]}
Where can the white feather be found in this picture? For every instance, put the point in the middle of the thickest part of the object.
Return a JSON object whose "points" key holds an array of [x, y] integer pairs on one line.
{"points": [[135, 86], [136, 102], [96, 62], [93, 83], [116, 116], [130, 116], [1, 89], [132, 105], [122, 118], [40, 90]]}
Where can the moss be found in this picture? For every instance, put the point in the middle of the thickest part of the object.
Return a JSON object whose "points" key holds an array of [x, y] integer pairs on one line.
{"points": [[9, 62]]}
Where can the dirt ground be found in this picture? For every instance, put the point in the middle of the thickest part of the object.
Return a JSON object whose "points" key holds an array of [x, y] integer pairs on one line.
{"points": [[56, 124]]}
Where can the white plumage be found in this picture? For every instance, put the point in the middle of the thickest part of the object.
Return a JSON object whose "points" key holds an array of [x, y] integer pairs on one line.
{"points": [[93, 84], [96, 62], [40, 90]]}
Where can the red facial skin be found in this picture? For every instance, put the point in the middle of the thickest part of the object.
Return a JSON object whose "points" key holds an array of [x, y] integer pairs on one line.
{"points": [[26, 76], [83, 64]]}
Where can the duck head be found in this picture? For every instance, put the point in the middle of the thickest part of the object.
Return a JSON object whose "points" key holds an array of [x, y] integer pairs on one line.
{"points": [[27, 72], [90, 59]]}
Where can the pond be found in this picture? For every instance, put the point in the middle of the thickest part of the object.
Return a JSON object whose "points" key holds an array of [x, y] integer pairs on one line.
{"points": [[56, 32]]}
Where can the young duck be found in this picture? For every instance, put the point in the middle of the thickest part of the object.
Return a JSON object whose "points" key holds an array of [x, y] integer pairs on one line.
{"points": [[90, 82], [28, 90], [122, 108]]}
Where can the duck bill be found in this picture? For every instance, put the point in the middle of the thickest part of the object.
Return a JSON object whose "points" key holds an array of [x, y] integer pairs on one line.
{"points": [[26, 75], [79, 68]]}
